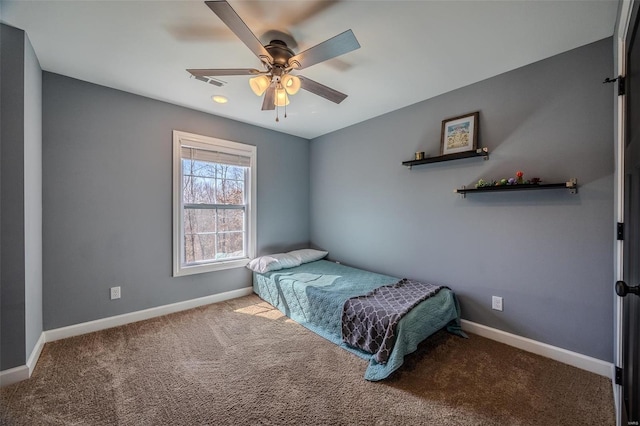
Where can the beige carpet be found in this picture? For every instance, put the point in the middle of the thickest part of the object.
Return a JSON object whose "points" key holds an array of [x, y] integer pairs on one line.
{"points": [[242, 362]]}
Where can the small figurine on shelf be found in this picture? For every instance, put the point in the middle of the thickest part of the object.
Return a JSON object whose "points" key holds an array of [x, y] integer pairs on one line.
{"points": [[511, 181], [535, 181], [483, 183], [519, 175]]}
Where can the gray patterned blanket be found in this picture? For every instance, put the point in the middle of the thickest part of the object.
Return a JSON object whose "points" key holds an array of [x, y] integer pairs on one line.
{"points": [[369, 321]]}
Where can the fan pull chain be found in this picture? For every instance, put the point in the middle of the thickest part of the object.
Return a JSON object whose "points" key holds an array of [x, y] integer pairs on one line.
{"points": [[285, 113]]}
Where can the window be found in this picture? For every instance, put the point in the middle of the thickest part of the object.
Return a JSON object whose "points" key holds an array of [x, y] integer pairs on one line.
{"points": [[214, 220]]}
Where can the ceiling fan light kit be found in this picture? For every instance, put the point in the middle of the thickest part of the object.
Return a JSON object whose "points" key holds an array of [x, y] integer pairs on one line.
{"points": [[259, 84], [276, 83], [281, 98], [291, 84]]}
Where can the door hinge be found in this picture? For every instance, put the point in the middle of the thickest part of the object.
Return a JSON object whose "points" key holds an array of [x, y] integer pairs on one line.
{"points": [[621, 85], [618, 376], [620, 231]]}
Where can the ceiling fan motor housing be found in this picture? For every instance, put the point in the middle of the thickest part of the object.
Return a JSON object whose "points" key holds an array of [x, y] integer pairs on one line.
{"points": [[280, 53]]}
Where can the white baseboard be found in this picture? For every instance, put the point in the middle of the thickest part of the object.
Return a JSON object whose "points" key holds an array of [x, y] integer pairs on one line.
{"points": [[574, 359], [118, 320], [35, 354], [13, 375], [23, 372]]}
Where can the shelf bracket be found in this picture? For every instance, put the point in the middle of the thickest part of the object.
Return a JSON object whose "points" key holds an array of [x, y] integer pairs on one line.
{"points": [[463, 193], [572, 184]]}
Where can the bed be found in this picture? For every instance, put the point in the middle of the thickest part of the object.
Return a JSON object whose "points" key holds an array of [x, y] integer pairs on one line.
{"points": [[313, 294]]}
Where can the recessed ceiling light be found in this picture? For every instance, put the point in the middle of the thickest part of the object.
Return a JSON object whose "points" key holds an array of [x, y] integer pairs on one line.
{"points": [[219, 99]]}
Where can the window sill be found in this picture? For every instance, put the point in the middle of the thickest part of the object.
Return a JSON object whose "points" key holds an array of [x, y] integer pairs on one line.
{"points": [[179, 271]]}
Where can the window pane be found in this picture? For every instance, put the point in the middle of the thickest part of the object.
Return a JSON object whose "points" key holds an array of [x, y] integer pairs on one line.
{"points": [[230, 220], [198, 168], [211, 183], [225, 171], [198, 190], [202, 247], [199, 247], [230, 191], [213, 234], [230, 245], [199, 220], [230, 184]]}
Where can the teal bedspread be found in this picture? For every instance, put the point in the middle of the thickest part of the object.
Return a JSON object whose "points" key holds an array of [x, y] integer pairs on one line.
{"points": [[313, 295]]}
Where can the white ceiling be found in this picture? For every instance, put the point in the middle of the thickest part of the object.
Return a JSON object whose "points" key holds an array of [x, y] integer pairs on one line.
{"points": [[411, 50]]}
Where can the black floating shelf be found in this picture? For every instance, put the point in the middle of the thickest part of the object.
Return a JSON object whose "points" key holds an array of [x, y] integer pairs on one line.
{"points": [[482, 152], [571, 185]]}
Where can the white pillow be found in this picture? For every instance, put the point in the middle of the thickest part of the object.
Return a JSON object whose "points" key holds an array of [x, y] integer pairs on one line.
{"points": [[286, 260], [264, 264], [308, 255], [273, 262]]}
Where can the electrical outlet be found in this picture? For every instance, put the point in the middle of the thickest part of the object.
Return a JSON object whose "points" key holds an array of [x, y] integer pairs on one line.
{"points": [[496, 303], [115, 293]]}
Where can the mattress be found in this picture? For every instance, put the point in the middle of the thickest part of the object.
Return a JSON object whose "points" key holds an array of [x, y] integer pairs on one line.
{"points": [[314, 293]]}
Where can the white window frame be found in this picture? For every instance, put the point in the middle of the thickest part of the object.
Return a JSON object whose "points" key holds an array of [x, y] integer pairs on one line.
{"points": [[181, 139]]}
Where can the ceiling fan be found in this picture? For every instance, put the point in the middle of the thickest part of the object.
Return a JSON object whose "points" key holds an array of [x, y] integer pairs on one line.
{"points": [[276, 81]]}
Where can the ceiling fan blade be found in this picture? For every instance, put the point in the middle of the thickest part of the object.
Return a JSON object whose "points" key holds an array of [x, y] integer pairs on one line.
{"points": [[229, 16], [269, 102], [228, 71], [328, 49], [321, 90]]}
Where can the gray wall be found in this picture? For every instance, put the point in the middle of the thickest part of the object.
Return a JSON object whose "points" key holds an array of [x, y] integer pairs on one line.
{"points": [[1, 134], [107, 200], [12, 193], [21, 194], [547, 253], [32, 196]]}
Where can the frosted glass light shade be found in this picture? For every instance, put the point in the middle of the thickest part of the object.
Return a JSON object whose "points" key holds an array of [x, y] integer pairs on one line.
{"points": [[259, 84], [281, 98], [291, 84]]}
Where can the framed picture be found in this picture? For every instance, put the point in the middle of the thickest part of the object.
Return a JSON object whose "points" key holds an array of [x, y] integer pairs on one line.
{"points": [[459, 134]]}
